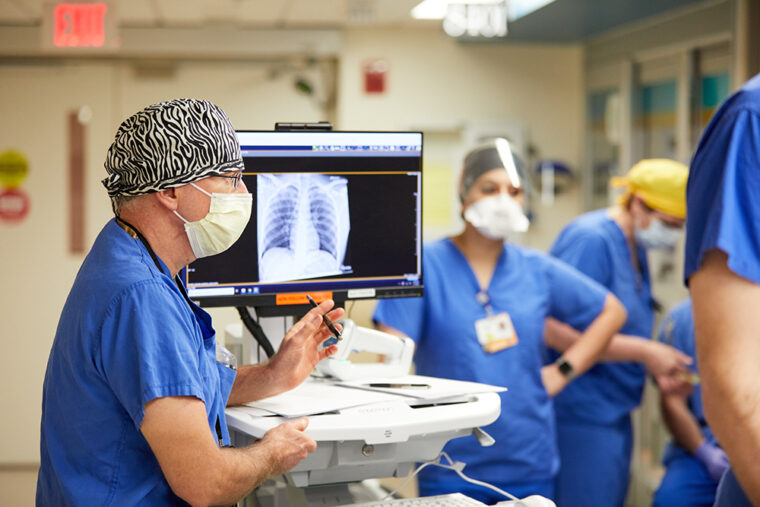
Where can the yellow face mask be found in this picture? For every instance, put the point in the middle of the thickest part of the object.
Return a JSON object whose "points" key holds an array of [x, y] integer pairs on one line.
{"points": [[225, 221]]}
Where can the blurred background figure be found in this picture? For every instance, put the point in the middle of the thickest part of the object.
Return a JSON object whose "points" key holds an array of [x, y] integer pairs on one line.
{"points": [[694, 461], [610, 246], [481, 319]]}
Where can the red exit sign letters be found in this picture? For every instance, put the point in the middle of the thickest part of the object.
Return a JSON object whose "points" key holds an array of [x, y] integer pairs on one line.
{"points": [[79, 25], [76, 26]]}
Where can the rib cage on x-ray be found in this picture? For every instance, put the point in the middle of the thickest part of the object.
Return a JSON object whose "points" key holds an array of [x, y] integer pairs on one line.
{"points": [[303, 226]]}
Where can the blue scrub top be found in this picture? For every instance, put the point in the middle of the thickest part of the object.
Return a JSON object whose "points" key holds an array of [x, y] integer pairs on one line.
{"points": [[724, 185], [594, 244], [677, 330], [126, 336], [530, 286]]}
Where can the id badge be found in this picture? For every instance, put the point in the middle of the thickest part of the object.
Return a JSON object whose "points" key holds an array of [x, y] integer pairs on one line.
{"points": [[496, 332]]}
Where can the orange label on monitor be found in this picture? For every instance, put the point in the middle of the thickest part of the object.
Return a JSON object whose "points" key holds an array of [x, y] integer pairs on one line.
{"points": [[300, 298]]}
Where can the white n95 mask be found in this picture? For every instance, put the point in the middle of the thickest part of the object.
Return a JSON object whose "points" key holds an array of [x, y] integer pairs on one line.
{"points": [[497, 216], [658, 235], [227, 216]]}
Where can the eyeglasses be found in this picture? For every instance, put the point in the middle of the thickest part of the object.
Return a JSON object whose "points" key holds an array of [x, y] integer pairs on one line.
{"points": [[236, 178]]}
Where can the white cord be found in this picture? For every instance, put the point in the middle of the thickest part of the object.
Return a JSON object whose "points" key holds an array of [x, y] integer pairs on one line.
{"points": [[457, 467]]}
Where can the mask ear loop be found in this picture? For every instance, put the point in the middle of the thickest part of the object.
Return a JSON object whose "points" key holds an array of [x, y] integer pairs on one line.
{"points": [[198, 188], [180, 216]]}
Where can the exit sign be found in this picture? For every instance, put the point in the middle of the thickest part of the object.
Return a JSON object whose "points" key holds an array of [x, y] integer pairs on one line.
{"points": [[88, 26]]}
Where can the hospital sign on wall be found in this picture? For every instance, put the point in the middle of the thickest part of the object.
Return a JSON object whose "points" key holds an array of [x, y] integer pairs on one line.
{"points": [[14, 201], [80, 27]]}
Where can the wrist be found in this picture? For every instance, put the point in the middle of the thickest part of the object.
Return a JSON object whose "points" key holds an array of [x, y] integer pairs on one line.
{"points": [[649, 355], [565, 368]]}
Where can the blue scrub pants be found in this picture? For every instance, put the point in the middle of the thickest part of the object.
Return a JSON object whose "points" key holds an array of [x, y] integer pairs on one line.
{"points": [[485, 495], [595, 463], [686, 483]]}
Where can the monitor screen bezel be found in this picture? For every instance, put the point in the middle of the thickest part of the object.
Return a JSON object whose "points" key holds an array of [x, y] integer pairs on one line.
{"points": [[266, 303]]}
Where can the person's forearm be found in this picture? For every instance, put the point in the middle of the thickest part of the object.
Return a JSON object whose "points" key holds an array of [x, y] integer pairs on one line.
{"points": [[587, 350], [561, 337], [681, 423], [197, 470], [728, 348], [255, 382], [236, 473]]}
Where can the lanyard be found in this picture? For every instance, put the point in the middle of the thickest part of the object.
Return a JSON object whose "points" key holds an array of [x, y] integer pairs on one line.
{"points": [[484, 300], [136, 234]]}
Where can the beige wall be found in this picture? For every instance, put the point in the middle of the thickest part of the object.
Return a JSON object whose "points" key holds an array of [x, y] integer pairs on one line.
{"points": [[37, 267], [433, 82]]}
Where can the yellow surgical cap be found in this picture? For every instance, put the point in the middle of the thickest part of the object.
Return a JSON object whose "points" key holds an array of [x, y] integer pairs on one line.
{"points": [[659, 182]]}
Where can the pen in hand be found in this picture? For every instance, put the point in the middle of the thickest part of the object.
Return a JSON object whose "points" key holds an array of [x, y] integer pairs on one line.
{"points": [[327, 321]]}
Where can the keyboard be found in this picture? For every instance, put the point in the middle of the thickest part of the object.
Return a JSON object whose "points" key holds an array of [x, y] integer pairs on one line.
{"points": [[450, 500], [454, 500]]}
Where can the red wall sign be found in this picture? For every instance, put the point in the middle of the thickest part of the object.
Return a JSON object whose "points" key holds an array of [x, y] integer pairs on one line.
{"points": [[79, 25], [14, 205], [375, 72]]}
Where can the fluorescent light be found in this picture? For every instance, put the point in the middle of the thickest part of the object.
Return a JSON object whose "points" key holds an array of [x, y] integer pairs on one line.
{"points": [[436, 9], [520, 8], [430, 9]]}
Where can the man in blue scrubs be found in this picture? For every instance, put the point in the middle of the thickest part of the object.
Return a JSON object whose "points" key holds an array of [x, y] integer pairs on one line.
{"points": [[722, 270], [133, 399], [694, 461], [609, 245], [476, 278]]}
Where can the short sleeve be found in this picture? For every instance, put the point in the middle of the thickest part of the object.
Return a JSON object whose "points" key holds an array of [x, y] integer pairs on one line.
{"points": [[722, 196], [587, 252], [403, 314], [575, 299], [150, 348]]}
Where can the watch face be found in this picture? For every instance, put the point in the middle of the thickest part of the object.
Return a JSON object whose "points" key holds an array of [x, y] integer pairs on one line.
{"points": [[565, 368]]}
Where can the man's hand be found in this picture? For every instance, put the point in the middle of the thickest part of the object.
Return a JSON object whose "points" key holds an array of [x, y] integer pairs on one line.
{"points": [[287, 445], [299, 351]]}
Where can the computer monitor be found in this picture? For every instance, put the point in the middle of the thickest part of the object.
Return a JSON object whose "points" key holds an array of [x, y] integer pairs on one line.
{"points": [[335, 215]]}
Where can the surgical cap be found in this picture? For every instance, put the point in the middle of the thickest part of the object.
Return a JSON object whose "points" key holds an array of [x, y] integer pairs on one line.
{"points": [[659, 182], [495, 154], [170, 144]]}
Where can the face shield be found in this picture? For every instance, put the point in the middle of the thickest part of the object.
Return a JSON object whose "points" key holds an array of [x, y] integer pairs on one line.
{"points": [[494, 154]]}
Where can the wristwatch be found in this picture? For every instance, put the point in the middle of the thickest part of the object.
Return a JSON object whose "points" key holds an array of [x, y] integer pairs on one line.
{"points": [[565, 368]]}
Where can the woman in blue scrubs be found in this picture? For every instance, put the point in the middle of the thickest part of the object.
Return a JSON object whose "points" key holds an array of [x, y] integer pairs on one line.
{"points": [[482, 318], [593, 415]]}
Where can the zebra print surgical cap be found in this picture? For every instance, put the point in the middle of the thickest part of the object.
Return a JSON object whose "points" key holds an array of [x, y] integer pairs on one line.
{"points": [[168, 145]]}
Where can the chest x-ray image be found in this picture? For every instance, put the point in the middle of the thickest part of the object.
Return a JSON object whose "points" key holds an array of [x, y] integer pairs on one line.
{"points": [[303, 226]]}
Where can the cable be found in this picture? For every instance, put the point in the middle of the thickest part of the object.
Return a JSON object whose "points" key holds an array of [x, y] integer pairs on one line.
{"points": [[457, 467], [256, 330]]}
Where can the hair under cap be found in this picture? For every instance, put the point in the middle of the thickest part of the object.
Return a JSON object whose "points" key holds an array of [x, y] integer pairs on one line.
{"points": [[494, 154], [659, 182], [168, 145]]}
